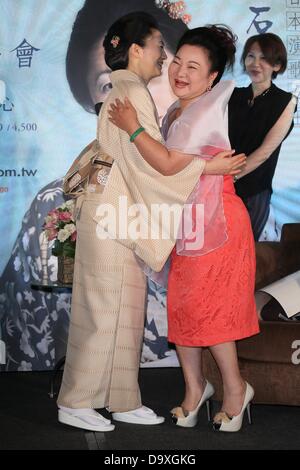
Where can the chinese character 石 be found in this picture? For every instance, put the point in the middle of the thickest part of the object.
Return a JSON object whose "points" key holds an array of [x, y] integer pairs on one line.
{"points": [[294, 69], [25, 53], [259, 24], [293, 45], [7, 105], [293, 21], [293, 3]]}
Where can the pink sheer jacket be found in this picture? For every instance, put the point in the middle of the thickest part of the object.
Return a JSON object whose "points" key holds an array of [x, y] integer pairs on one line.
{"points": [[201, 130]]}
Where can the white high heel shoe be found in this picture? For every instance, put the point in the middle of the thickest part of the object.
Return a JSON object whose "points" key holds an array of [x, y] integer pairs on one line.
{"points": [[180, 418], [223, 422]]}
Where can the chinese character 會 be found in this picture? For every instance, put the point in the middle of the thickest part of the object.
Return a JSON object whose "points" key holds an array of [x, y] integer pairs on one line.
{"points": [[25, 53]]}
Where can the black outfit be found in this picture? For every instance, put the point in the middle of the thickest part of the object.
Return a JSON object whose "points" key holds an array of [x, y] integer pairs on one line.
{"points": [[249, 122]]}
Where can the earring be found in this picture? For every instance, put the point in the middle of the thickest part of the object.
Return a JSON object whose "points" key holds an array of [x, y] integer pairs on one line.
{"points": [[209, 87]]}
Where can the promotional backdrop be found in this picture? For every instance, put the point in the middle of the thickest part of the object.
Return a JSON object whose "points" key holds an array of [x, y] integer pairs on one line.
{"points": [[43, 128]]}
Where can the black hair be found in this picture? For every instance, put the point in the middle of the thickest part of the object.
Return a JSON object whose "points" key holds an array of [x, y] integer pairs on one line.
{"points": [[91, 25], [273, 49], [219, 42], [132, 28]]}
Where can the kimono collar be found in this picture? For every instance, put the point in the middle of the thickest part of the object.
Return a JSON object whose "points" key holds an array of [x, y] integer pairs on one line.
{"points": [[125, 75]]}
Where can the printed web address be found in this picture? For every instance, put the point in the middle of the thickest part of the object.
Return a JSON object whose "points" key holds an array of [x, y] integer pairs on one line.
{"points": [[21, 172]]}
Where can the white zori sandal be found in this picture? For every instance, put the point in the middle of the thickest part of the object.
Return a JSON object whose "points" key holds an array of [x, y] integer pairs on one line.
{"points": [[84, 418], [142, 415]]}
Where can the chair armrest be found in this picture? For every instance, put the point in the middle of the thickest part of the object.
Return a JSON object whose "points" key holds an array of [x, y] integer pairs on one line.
{"points": [[290, 233], [268, 260], [275, 260]]}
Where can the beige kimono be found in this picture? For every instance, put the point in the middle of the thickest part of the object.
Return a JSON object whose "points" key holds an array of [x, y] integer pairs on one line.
{"points": [[108, 301]]}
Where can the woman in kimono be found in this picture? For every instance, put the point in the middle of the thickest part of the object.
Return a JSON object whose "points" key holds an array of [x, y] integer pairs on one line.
{"points": [[211, 279], [107, 316]]}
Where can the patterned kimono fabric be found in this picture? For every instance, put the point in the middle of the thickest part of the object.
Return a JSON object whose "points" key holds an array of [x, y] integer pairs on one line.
{"points": [[108, 302]]}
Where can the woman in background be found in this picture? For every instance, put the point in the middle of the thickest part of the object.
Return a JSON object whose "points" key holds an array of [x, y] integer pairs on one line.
{"points": [[260, 118]]}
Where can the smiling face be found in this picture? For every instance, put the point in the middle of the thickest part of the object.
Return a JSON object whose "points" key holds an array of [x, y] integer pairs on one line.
{"points": [[151, 59], [148, 60], [190, 72], [258, 69], [160, 88], [99, 83]]}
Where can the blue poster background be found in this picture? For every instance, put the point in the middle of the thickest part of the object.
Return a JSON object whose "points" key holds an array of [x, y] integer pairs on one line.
{"points": [[42, 126]]}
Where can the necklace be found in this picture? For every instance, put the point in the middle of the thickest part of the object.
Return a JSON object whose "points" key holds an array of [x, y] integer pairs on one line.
{"points": [[251, 101]]}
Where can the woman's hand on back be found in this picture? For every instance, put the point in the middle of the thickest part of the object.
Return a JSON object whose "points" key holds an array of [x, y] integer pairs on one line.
{"points": [[224, 163]]}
